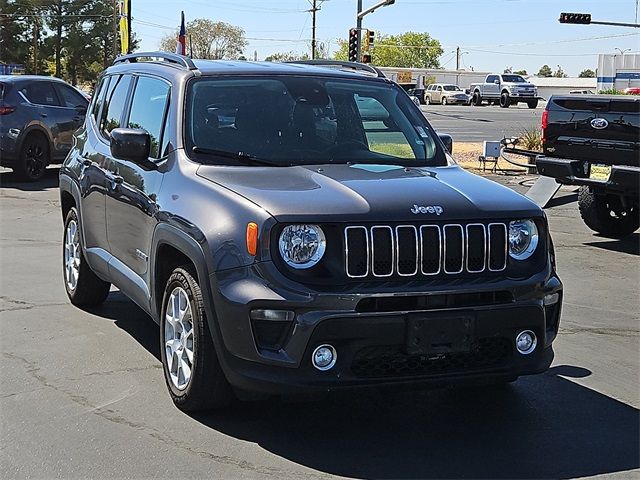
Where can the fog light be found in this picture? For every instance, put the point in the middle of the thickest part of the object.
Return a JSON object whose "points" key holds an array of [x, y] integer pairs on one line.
{"points": [[526, 342], [551, 299], [324, 357], [272, 315]]}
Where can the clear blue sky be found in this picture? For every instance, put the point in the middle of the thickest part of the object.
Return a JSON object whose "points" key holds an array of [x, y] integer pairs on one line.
{"points": [[495, 33]]}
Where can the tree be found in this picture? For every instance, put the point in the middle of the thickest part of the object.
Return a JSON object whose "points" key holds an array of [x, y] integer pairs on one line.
{"points": [[286, 57], [559, 73], [545, 71], [409, 49], [521, 72], [209, 40], [587, 73]]}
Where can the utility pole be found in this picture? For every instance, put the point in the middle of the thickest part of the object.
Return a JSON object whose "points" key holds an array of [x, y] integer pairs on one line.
{"points": [[115, 29], [457, 58], [315, 7], [359, 28]]}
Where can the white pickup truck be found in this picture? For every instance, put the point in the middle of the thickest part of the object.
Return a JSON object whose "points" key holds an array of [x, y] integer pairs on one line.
{"points": [[505, 89]]}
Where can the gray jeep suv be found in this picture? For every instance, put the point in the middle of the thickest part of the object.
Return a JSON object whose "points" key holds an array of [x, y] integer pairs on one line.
{"points": [[285, 241]]}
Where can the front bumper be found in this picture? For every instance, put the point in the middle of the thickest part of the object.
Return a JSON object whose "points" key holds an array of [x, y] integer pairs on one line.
{"points": [[458, 100], [371, 343], [623, 179], [524, 95]]}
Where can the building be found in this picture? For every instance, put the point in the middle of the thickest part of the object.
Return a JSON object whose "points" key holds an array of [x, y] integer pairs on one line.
{"points": [[618, 71], [548, 86]]}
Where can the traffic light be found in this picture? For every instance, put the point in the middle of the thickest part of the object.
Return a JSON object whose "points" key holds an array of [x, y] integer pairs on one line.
{"points": [[353, 45], [366, 58], [581, 18], [371, 36]]}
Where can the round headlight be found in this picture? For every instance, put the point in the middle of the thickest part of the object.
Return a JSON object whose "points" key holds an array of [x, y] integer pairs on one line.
{"points": [[302, 246], [523, 239]]}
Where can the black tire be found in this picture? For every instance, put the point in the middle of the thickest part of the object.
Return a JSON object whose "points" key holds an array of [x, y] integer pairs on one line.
{"points": [[532, 104], [605, 214], [476, 100], [444, 100], [505, 100], [207, 388], [87, 289], [427, 100], [34, 158]]}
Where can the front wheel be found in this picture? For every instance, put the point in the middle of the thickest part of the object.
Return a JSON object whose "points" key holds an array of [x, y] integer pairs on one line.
{"points": [[532, 104], [476, 100], [427, 100], [444, 100], [607, 214], [83, 287], [505, 100], [192, 371]]}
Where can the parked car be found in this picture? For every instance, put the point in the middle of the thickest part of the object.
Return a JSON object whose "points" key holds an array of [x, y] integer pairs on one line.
{"points": [[418, 93], [504, 89], [38, 116], [632, 91], [302, 247], [593, 142], [582, 92], [444, 94]]}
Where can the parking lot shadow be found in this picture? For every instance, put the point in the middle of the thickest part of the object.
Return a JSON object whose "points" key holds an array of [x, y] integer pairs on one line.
{"points": [[50, 180], [543, 426], [630, 244]]}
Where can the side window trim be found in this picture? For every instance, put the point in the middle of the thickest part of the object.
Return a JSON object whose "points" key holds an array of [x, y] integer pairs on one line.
{"points": [[125, 110]]}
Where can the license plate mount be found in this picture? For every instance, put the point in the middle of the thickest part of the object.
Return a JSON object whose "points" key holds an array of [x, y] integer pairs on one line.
{"points": [[599, 172], [439, 333]]}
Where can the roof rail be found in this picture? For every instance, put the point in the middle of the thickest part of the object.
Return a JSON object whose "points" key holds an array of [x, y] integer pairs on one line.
{"points": [[355, 66], [173, 58]]}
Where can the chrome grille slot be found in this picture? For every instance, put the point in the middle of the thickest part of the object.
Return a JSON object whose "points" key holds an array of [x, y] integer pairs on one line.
{"points": [[425, 250], [497, 246], [356, 240], [431, 248], [382, 251], [476, 245], [406, 250], [453, 248]]}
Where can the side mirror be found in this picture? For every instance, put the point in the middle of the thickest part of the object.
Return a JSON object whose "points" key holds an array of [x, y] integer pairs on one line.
{"points": [[496, 81], [131, 144], [447, 140]]}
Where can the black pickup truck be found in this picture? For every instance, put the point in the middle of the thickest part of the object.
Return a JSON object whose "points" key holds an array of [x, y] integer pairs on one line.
{"points": [[594, 141]]}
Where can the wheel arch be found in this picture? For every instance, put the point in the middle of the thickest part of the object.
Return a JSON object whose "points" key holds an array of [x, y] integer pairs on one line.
{"points": [[38, 130]]}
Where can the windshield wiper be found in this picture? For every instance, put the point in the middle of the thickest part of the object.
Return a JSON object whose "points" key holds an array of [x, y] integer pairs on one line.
{"points": [[245, 158]]}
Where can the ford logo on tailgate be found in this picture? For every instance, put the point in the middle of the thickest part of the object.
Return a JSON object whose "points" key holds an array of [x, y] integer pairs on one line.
{"points": [[599, 123]]}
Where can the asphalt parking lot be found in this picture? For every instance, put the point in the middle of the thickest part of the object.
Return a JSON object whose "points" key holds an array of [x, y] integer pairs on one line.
{"points": [[83, 394], [475, 124]]}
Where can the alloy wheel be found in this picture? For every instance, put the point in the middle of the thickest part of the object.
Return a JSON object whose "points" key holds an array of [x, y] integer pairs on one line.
{"points": [[72, 255], [35, 159], [178, 338]]}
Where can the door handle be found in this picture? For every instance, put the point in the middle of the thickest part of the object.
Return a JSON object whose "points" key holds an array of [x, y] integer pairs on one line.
{"points": [[43, 114], [86, 162]]}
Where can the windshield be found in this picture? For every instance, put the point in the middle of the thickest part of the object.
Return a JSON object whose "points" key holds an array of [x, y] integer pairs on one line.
{"points": [[512, 78], [293, 120], [452, 88]]}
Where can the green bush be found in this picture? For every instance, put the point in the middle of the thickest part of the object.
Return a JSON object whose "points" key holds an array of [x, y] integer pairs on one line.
{"points": [[530, 139], [611, 91]]}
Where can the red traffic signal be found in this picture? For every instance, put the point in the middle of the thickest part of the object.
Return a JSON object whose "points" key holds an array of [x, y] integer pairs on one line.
{"points": [[366, 58], [581, 18], [353, 45]]}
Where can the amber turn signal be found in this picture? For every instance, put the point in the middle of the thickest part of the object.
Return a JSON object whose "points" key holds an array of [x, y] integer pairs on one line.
{"points": [[252, 238]]}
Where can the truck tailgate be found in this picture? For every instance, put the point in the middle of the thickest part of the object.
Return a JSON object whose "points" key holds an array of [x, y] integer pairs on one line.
{"points": [[594, 128]]}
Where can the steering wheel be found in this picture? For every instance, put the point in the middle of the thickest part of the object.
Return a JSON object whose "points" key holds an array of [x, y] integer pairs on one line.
{"points": [[344, 147]]}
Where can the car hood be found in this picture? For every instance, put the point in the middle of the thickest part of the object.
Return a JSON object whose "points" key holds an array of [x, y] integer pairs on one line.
{"points": [[330, 193], [454, 93]]}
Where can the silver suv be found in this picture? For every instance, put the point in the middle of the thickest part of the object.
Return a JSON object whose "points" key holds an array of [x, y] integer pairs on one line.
{"points": [[445, 94]]}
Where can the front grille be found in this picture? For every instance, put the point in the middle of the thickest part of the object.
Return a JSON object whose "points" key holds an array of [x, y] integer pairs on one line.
{"points": [[392, 361], [409, 250]]}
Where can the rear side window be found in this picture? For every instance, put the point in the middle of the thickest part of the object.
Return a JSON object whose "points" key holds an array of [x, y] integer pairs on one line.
{"points": [[70, 98], [41, 93], [148, 109], [115, 104], [99, 97]]}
